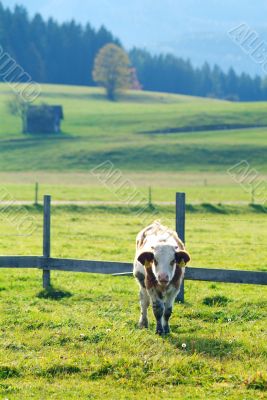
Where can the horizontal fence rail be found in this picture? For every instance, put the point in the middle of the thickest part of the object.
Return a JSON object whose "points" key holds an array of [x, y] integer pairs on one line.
{"points": [[226, 275], [98, 267], [19, 261], [124, 269]]}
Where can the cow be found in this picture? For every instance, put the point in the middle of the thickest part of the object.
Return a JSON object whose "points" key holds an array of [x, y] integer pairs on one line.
{"points": [[159, 267]]}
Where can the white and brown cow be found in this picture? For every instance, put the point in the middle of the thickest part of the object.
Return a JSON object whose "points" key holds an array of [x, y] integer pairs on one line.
{"points": [[159, 269]]}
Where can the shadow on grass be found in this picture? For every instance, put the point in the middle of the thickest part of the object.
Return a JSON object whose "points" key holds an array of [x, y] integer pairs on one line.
{"points": [[212, 347], [216, 301], [215, 209], [59, 370], [259, 208], [53, 294], [191, 208], [8, 372], [37, 136]]}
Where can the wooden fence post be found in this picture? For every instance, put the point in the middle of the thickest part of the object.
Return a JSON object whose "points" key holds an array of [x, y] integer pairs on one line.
{"points": [[180, 229], [46, 239], [36, 193], [150, 196]]}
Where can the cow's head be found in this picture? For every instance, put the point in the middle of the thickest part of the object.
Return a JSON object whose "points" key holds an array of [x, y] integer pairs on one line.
{"points": [[164, 259]]}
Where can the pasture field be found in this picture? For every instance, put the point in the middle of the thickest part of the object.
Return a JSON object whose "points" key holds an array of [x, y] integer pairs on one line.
{"points": [[76, 187], [95, 130], [81, 340]]}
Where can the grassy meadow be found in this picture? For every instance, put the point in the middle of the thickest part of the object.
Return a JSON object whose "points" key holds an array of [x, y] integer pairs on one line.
{"points": [[95, 130], [81, 340], [199, 187]]}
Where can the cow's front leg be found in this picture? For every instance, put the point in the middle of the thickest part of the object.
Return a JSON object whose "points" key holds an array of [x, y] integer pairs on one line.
{"points": [[168, 305], [158, 310], [167, 315], [144, 304]]}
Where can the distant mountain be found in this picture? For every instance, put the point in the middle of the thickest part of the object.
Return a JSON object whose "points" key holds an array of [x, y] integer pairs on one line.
{"points": [[195, 29]]}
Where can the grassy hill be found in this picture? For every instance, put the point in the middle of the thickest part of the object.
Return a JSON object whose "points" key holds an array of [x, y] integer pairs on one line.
{"points": [[95, 130]]}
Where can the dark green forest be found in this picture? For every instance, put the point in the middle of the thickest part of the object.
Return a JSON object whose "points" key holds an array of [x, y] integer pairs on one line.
{"points": [[64, 54]]}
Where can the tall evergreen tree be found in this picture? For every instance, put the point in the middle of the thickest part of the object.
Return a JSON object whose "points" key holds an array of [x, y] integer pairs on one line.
{"points": [[64, 53]]}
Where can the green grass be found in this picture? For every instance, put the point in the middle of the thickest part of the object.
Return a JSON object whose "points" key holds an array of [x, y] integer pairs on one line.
{"points": [[213, 188], [82, 340], [96, 130], [78, 231]]}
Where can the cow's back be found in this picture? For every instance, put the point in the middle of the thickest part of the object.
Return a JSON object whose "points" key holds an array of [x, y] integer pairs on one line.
{"points": [[157, 233]]}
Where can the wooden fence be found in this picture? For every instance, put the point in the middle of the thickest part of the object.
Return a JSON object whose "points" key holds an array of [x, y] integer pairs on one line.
{"points": [[47, 263]]}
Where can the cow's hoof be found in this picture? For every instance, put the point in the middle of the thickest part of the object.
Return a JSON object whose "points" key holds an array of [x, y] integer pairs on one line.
{"points": [[166, 330], [159, 332], [143, 323]]}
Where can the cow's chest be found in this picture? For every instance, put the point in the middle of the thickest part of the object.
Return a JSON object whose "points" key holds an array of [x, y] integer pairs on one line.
{"points": [[164, 293]]}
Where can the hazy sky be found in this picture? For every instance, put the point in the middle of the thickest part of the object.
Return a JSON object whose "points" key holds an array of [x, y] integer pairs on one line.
{"points": [[190, 28], [147, 21]]}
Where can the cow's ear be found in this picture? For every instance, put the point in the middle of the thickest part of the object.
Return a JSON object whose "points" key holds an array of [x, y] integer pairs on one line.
{"points": [[182, 257], [147, 256]]}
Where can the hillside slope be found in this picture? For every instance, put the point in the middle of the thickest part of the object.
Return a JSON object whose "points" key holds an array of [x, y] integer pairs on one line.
{"points": [[95, 130]]}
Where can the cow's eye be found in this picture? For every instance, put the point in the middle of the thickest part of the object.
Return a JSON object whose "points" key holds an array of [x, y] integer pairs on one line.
{"points": [[173, 262], [155, 262]]}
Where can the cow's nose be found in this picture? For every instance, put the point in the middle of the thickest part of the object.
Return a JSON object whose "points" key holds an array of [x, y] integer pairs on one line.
{"points": [[163, 277]]}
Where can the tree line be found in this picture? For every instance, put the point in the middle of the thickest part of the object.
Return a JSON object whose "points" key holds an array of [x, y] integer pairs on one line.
{"points": [[51, 52], [172, 74], [65, 53]]}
